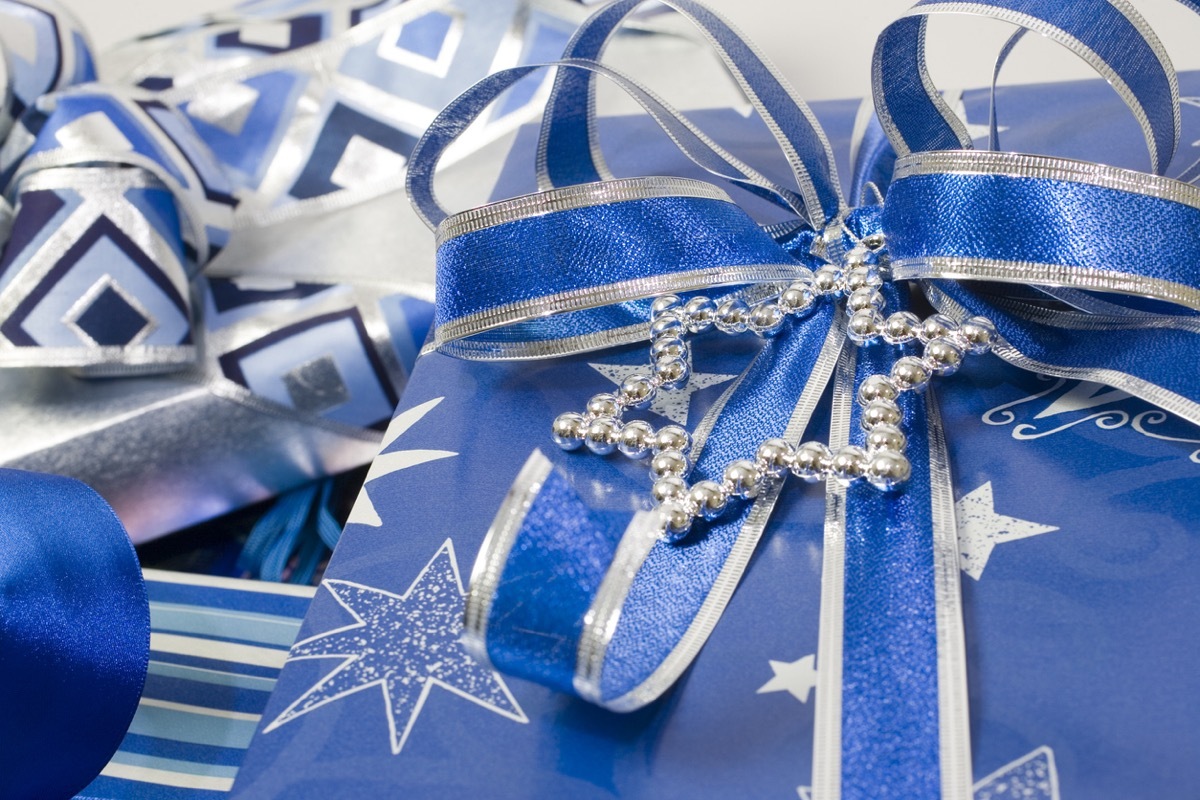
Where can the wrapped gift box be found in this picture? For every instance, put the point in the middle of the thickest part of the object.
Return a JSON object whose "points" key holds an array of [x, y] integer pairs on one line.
{"points": [[1075, 521]]}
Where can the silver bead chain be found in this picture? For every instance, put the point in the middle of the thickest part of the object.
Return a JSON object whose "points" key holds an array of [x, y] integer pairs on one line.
{"points": [[881, 460]]}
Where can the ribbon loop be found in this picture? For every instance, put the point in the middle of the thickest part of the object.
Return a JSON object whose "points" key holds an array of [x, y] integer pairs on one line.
{"points": [[569, 150], [1110, 36]]}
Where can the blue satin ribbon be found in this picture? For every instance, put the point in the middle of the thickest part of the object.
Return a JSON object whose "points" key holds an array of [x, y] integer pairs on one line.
{"points": [[624, 612], [74, 635]]}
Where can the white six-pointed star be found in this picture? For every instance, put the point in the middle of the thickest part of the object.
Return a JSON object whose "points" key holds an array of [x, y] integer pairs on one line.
{"points": [[794, 677], [404, 645], [674, 405], [980, 529], [364, 511]]}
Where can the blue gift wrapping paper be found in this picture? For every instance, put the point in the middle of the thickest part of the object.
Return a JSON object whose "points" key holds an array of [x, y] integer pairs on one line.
{"points": [[216, 648], [1078, 546]]}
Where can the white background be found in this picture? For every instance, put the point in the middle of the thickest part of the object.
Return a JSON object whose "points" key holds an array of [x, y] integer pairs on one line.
{"points": [[822, 46]]}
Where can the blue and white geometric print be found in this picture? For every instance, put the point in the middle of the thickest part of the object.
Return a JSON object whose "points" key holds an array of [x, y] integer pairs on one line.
{"points": [[404, 644]]}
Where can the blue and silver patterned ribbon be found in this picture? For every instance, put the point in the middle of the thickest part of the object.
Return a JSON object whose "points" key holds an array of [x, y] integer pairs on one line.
{"points": [[217, 223], [1101, 259], [74, 634]]}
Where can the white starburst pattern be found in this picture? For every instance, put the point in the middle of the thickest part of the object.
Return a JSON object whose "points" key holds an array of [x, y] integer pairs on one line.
{"points": [[980, 529], [674, 405], [798, 678], [405, 645], [364, 512]]}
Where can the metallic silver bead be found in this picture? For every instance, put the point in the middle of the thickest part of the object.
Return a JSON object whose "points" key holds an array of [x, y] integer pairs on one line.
{"points": [[670, 462], [877, 387], [901, 327], [874, 241], [603, 405], [864, 326], [742, 479], [811, 461], [672, 373], [708, 498], [766, 319], [797, 298], [887, 470], [863, 278], [863, 299], [774, 457], [666, 325], [977, 334], [664, 304], [881, 412], [677, 519], [849, 464], [827, 280], [602, 435], [943, 356], [567, 430], [886, 437], [937, 326], [669, 488], [856, 256], [733, 315], [636, 439], [637, 391], [909, 373], [672, 437], [667, 346], [701, 313]]}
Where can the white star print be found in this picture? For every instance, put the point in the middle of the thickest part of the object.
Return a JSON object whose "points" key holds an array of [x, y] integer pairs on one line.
{"points": [[795, 677], [364, 512], [1033, 776], [980, 529], [404, 644], [674, 405]]}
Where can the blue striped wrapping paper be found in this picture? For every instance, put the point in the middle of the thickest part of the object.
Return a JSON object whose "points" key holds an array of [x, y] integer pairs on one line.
{"points": [[216, 648]]}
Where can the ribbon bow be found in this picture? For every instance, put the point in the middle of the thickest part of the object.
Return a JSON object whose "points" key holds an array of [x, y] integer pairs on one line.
{"points": [[1065, 258]]}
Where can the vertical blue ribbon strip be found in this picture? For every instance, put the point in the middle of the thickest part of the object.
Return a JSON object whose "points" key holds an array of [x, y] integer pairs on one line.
{"points": [[74, 635]]}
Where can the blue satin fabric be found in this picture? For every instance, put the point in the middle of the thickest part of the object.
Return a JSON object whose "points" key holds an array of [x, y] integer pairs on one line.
{"points": [[541, 610], [568, 147], [902, 96], [674, 580], [74, 634], [589, 248], [1040, 221], [889, 645]]}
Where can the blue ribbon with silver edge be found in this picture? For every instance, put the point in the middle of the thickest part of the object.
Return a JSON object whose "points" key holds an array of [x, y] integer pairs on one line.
{"points": [[74, 634], [1065, 258]]}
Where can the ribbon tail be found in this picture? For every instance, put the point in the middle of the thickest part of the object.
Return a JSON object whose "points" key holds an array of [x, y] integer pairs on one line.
{"points": [[615, 613], [891, 716]]}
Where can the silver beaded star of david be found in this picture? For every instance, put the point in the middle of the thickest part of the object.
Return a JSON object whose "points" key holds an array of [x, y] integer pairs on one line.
{"points": [[879, 460]]}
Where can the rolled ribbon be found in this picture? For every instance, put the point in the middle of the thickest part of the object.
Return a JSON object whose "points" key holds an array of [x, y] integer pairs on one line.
{"points": [[74, 635]]}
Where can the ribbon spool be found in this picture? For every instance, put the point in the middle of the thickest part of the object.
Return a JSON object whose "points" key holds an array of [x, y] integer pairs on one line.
{"points": [[74, 635]]}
